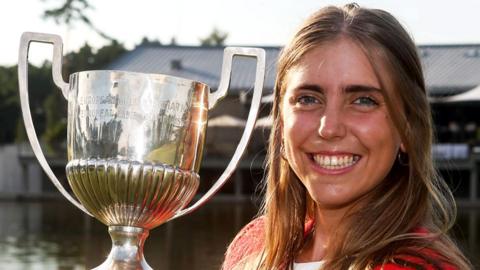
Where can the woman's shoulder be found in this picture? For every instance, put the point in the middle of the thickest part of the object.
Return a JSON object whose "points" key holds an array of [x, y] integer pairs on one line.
{"points": [[248, 241], [423, 259], [419, 257]]}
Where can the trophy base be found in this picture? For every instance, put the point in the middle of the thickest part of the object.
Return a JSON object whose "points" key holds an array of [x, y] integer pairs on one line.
{"points": [[127, 249]]}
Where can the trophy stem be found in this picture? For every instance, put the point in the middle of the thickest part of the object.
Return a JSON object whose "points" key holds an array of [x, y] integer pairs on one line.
{"points": [[127, 249]]}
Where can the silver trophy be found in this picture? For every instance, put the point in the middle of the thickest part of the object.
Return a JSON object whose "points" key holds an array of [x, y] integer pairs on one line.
{"points": [[134, 144]]}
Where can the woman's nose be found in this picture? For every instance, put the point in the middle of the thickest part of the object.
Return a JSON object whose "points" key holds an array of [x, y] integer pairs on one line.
{"points": [[331, 124]]}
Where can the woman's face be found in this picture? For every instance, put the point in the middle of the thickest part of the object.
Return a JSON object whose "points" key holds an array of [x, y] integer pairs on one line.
{"points": [[338, 135]]}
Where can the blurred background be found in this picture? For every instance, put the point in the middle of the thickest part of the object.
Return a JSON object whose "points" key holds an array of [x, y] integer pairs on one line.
{"points": [[41, 230]]}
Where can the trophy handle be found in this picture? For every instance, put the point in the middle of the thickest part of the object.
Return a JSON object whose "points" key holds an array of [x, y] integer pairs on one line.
{"points": [[25, 41], [228, 55]]}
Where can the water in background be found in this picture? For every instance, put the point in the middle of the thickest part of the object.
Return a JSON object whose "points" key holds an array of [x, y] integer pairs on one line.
{"points": [[55, 235]]}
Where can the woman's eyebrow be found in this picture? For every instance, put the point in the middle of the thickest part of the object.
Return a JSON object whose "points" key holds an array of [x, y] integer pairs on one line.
{"points": [[312, 87], [356, 88]]}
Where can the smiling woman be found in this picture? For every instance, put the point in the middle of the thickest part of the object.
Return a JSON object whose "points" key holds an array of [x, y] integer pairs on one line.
{"points": [[350, 183], [329, 93]]}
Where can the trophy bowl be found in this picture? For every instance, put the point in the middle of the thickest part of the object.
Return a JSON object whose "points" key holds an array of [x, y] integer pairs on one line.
{"points": [[134, 144]]}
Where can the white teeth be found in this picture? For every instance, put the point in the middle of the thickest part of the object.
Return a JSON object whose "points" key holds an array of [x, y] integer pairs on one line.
{"points": [[336, 162]]}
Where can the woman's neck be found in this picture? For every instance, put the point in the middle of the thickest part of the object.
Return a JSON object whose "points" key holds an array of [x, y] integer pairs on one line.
{"points": [[327, 223]]}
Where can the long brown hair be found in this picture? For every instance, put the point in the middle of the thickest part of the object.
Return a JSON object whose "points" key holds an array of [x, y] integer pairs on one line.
{"points": [[411, 196]]}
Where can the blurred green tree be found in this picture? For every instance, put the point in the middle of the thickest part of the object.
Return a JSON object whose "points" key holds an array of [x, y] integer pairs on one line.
{"points": [[9, 103], [71, 11], [215, 38], [10, 118], [147, 42]]}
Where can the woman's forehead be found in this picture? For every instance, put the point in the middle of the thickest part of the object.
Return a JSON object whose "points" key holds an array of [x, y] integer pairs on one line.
{"points": [[334, 64]]}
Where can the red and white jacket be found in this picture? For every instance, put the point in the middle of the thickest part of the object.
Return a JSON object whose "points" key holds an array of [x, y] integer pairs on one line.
{"points": [[250, 240]]}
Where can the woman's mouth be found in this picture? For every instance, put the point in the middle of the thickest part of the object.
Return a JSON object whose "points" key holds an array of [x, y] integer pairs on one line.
{"points": [[335, 162]]}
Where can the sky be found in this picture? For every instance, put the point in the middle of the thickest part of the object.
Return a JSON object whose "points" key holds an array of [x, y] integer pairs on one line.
{"points": [[247, 22]]}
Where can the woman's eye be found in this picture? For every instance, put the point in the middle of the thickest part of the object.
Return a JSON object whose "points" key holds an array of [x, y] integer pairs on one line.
{"points": [[365, 101], [307, 100]]}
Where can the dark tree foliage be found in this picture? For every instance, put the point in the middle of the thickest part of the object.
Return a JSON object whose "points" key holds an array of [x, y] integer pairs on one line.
{"points": [[87, 59], [146, 42], [216, 38], [9, 103], [71, 11]]}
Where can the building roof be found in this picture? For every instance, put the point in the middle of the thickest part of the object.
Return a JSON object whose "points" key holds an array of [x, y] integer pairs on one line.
{"points": [[449, 69], [202, 64]]}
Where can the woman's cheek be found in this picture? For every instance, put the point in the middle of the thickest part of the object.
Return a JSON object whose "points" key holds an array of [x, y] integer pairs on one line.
{"points": [[300, 126], [373, 126]]}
